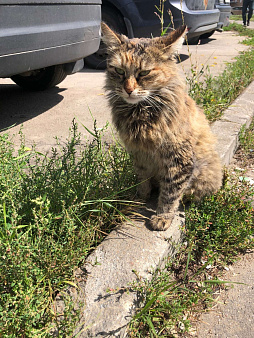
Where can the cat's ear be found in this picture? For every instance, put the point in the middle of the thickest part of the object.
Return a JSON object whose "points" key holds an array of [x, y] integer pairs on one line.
{"points": [[174, 40], [109, 37]]}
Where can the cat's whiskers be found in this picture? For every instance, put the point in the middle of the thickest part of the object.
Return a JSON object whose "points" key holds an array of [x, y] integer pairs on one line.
{"points": [[152, 103], [115, 95], [113, 98], [155, 103]]}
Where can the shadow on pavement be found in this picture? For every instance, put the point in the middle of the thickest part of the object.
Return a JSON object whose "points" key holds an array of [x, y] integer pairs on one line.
{"points": [[87, 69], [18, 105], [206, 41], [182, 57]]}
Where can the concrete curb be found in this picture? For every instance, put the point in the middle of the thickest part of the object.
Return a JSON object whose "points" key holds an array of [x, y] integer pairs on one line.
{"points": [[134, 250], [227, 129]]}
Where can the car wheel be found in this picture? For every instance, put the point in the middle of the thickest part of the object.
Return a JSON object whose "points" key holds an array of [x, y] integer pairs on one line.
{"points": [[114, 20], [207, 35], [193, 41], [41, 79]]}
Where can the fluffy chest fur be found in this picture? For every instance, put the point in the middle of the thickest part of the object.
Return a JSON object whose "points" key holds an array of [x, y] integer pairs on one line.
{"points": [[154, 127]]}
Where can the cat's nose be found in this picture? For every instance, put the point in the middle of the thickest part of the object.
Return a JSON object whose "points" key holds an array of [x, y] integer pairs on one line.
{"points": [[129, 90], [129, 86]]}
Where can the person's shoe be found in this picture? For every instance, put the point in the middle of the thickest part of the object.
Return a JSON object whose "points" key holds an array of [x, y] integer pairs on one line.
{"points": [[244, 24], [248, 23]]}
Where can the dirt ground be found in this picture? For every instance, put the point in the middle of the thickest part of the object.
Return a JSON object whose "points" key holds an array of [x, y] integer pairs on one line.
{"points": [[232, 315]]}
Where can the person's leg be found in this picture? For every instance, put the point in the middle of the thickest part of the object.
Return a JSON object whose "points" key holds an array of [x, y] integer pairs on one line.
{"points": [[244, 10], [250, 12]]}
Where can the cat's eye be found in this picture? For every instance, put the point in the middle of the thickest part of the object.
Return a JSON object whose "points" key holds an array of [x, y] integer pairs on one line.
{"points": [[119, 71], [144, 72]]}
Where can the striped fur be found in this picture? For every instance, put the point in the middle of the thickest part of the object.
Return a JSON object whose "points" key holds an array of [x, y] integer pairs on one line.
{"points": [[168, 136]]}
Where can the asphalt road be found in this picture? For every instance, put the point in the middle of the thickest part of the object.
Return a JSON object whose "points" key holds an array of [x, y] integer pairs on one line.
{"points": [[45, 115]]}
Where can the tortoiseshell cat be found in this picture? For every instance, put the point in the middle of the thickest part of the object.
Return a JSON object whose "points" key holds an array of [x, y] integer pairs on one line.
{"points": [[160, 125]]}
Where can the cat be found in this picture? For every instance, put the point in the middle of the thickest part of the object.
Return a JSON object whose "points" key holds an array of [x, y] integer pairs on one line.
{"points": [[160, 125]]}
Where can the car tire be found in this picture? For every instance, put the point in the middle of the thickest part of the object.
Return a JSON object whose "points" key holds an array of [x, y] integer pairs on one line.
{"points": [[41, 79], [207, 35], [114, 20], [193, 41]]}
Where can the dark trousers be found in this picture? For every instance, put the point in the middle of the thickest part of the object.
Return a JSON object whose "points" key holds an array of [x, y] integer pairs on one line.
{"points": [[246, 4]]}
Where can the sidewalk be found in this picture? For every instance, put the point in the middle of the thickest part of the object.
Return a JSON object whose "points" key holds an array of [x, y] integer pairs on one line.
{"points": [[232, 315]]}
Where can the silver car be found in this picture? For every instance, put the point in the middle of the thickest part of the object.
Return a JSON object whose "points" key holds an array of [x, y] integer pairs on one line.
{"points": [[42, 41]]}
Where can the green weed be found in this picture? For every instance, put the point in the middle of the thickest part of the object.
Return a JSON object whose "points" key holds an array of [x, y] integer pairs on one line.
{"points": [[215, 94], [246, 138], [243, 31], [160, 12], [54, 210]]}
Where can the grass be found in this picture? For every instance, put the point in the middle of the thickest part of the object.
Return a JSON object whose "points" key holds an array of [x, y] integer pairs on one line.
{"points": [[53, 211], [215, 94], [243, 31], [238, 18], [56, 208], [246, 139]]}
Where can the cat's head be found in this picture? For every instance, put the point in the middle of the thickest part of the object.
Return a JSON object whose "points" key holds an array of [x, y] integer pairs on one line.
{"points": [[137, 68]]}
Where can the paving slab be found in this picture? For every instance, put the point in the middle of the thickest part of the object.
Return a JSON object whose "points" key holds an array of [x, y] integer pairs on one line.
{"points": [[233, 312], [128, 252], [134, 250]]}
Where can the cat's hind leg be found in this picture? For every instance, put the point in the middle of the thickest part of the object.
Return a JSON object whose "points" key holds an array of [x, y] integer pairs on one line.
{"points": [[207, 178]]}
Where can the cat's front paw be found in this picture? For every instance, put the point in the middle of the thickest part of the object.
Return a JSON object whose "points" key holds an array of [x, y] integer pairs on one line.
{"points": [[161, 222]]}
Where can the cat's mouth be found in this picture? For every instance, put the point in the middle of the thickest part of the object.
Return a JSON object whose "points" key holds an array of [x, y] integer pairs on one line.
{"points": [[132, 100], [133, 97]]}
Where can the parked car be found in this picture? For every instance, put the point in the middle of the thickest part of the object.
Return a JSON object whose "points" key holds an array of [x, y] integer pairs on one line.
{"points": [[225, 11], [137, 18], [236, 7], [42, 41], [237, 10]]}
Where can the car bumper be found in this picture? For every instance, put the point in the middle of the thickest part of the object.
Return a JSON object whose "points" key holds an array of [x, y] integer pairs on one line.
{"points": [[225, 12], [197, 21], [58, 33]]}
